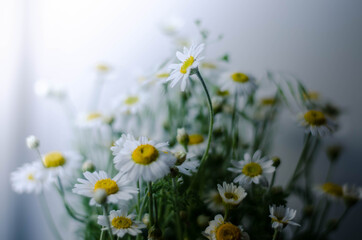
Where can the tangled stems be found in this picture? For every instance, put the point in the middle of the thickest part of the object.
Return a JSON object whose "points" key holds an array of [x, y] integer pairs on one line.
{"points": [[48, 216]]}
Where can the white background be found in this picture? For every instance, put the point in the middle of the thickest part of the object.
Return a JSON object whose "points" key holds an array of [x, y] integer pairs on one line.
{"points": [[319, 41]]}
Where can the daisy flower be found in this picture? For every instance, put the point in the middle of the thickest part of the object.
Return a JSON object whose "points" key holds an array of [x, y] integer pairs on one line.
{"points": [[252, 169], [231, 194], [131, 102], [316, 123], [196, 144], [219, 229], [237, 82], [331, 190], [92, 119], [122, 223], [117, 188], [282, 216], [61, 163], [190, 59], [29, 178], [351, 194], [214, 201], [142, 158]]}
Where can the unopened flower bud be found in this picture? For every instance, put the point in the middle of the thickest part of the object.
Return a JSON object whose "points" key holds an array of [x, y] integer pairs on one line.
{"points": [[146, 219], [217, 103], [182, 136], [333, 152], [180, 157], [88, 166], [100, 196], [202, 221], [32, 142], [276, 161]]}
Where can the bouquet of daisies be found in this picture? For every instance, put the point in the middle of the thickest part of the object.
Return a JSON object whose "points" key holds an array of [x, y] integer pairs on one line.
{"points": [[161, 163]]}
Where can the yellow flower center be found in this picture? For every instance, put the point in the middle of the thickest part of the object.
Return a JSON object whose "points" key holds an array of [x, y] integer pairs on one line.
{"points": [[252, 169], [228, 231], [163, 75], [240, 77], [268, 101], [311, 95], [208, 65], [93, 116], [53, 159], [230, 195], [195, 139], [109, 185], [145, 154], [121, 222], [332, 189], [222, 93], [315, 118], [30, 177], [102, 67], [131, 100], [187, 64]]}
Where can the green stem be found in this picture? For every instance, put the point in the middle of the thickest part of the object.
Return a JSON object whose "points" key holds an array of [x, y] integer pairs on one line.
{"points": [[102, 235], [105, 213], [233, 117], [150, 203], [275, 235], [226, 212], [177, 215], [272, 180], [48, 216]]}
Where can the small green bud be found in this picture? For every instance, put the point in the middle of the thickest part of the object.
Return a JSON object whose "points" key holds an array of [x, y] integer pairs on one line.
{"points": [[333, 152], [182, 136], [100, 196], [181, 157], [276, 161], [88, 166]]}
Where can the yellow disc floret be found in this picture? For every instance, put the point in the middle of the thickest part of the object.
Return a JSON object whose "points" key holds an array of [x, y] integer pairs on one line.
{"points": [[93, 115], [240, 77], [195, 139], [252, 169], [145, 154], [131, 100], [102, 68], [30, 177], [230, 195], [208, 65], [332, 189], [109, 185], [315, 118], [187, 63], [53, 159], [228, 231], [163, 75], [268, 101], [121, 222]]}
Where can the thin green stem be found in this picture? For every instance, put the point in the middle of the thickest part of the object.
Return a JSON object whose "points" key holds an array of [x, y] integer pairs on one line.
{"points": [[275, 235], [273, 180], [150, 203], [226, 212], [105, 213], [233, 117], [176, 210], [102, 235], [48, 216]]}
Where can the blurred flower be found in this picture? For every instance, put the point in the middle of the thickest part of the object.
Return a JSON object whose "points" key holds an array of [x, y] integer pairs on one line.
{"points": [[103, 68], [282, 216], [117, 188], [252, 169], [32, 142], [351, 194], [47, 90], [316, 123], [214, 201], [88, 166], [218, 229], [131, 102], [29, 178], [190, 59], [231, 194], [122, 223], [171, 26], [61, 163], [331, 190], [237, 82], [182, 136], [197, 144], [142, 158]]}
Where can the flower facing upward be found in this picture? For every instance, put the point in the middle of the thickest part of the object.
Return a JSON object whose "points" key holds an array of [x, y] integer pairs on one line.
{"points": [[282, 216], [61, 163], [317, 123], [219, 229], [231, 194], [122, 223], [117, 188], [190, 59], [252, 169], [142, 158]]}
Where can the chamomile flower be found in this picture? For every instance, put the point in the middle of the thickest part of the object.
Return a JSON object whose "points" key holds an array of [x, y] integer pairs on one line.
{"points": [[231, 194], [171, 26], [237, 82], [92, 119], [281, 216], [142, 158], [61, 163], [45, 89], [190, 59], [219, 229], [331, 190], [117, 188], [122, 223], [197, 144], [351, 194], [131, 102], [214, 201], [29, 178], [316, 123], [186, 163], [252, 169]]}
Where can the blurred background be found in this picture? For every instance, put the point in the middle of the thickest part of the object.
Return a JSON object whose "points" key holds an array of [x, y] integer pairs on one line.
{"points": [[62, 41]]}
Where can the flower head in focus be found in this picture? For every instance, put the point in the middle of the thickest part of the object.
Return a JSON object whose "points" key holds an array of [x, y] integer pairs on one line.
{"points": [[219, 229], [252, 169], [122, 223], [190, 59], [231, 194], [282, 216], [117, 188], [142, 158]]}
